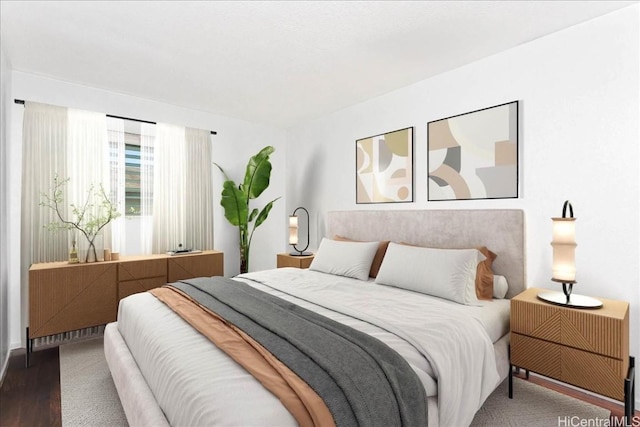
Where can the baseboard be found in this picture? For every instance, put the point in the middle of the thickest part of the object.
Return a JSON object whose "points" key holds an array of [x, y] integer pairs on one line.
{"points": [[5, 366], [3, 369]]}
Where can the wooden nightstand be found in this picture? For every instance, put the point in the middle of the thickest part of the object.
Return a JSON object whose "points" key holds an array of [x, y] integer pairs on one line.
{"points": [[287, 260], [586, 348]]}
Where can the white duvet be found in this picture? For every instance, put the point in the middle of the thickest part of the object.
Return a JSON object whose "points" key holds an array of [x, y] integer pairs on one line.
{"points": [[448, 345]]}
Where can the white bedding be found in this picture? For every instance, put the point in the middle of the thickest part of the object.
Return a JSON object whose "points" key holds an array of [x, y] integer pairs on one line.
{"points": [[188, 374]]}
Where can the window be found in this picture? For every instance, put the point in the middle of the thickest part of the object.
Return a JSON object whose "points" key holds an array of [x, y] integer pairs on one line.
{"points": [[131, 169], [136, 160], [132, 196], [126, 163]]}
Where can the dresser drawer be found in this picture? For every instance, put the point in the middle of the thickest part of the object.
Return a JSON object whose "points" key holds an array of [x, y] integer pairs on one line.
{"points": [[593, 331], [141, 269], [198, 265], [71, 296], [129, 287], [600, 374]]}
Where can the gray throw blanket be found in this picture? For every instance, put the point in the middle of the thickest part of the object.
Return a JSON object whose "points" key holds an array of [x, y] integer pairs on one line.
{"points": [[362, 380]]}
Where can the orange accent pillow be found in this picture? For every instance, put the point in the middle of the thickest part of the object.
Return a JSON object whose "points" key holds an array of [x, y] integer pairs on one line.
{"points": [[377, 259], [484, 273]]}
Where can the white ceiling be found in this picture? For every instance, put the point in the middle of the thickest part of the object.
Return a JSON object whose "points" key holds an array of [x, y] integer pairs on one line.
{"points": [[277, 63]]}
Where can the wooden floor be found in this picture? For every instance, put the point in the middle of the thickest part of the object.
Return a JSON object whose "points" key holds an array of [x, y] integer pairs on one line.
{"points": [[31, 397]]}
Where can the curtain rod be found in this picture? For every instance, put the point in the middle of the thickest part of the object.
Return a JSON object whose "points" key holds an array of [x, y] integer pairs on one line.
{"points": [[21, 101]]}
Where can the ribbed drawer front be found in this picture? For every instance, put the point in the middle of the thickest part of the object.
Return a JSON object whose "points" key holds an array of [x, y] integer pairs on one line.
{"points": [[536, 355], [189, 266], [130, 270], [580, 329], [129, 287], [600, 374]]}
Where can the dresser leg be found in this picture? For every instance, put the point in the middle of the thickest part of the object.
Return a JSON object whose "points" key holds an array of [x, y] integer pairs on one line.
{"points": [[28, 348], [630, 392]]}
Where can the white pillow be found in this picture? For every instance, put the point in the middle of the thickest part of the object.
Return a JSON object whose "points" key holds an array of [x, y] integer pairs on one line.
{"points": [[350, 259], [500, 286], [443, 273]]}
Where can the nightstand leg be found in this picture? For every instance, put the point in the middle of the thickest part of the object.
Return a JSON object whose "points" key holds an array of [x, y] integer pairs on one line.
{"points": [[526, 373], [630, 392], [511, 367], [511, 382]]}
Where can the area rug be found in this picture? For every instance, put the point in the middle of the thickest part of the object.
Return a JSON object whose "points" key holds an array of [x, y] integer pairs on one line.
{"points": [[89, 397], [534, 405]]}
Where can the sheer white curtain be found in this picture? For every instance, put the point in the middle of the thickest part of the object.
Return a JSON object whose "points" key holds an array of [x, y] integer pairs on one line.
{"points": [[147, 142], [115, 131], [69, 144], [169, 182], [176, 205], [199, 189], [88, 164], [44, 155], [182, 189]]}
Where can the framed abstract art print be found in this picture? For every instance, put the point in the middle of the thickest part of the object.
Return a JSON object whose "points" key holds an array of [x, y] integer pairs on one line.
{"points": [[384, 167], [474, 155]]}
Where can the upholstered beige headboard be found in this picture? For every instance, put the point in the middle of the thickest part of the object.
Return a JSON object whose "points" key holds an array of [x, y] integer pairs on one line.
{"points": [[501, 230]]}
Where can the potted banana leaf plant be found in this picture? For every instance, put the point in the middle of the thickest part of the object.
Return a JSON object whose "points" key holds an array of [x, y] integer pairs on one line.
{"points": [[236, 198]]}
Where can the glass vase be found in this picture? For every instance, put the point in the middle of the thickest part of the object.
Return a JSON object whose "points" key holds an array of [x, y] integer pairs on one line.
{"points": [[88, 252]]}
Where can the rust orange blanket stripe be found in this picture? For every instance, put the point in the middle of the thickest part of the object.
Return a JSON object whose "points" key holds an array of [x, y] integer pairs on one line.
{"points": [[306, 406]]}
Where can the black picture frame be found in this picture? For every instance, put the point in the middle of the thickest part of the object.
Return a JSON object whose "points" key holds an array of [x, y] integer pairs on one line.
{"points": [[380, 175], [475, 155]]}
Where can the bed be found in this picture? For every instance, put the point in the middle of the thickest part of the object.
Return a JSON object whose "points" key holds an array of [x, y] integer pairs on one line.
{"points": [[167, 373]]}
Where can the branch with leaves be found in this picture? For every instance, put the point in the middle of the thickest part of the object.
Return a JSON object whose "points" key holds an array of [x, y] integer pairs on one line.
{"points": [[89, 219]]}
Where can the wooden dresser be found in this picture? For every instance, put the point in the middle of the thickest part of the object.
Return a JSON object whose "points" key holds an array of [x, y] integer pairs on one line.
{"points": [[588, 348], [65, 297]]}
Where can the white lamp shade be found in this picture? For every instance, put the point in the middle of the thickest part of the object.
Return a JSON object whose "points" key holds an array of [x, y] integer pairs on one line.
{"points": [[564, 250], [564, 230], [293, 230]]}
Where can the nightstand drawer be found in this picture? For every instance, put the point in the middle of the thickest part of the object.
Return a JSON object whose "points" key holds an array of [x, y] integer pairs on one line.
{"points": [[287, 260], [600, 374], [596, 331]]}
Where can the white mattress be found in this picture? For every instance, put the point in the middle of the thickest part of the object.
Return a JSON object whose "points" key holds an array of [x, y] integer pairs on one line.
{"points": [[492, 315], [188, 374]]}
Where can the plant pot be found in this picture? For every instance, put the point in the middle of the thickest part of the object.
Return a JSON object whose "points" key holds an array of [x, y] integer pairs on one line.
{"points": [[244, 260]]}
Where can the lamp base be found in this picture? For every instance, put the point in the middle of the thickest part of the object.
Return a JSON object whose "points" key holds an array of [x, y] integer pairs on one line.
{"points": [[300, 253], [574, 301]]}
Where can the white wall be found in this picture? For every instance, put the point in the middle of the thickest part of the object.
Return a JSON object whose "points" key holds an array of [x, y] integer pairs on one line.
{"points": [[579, 141], [5, 105], [235, 142]]}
